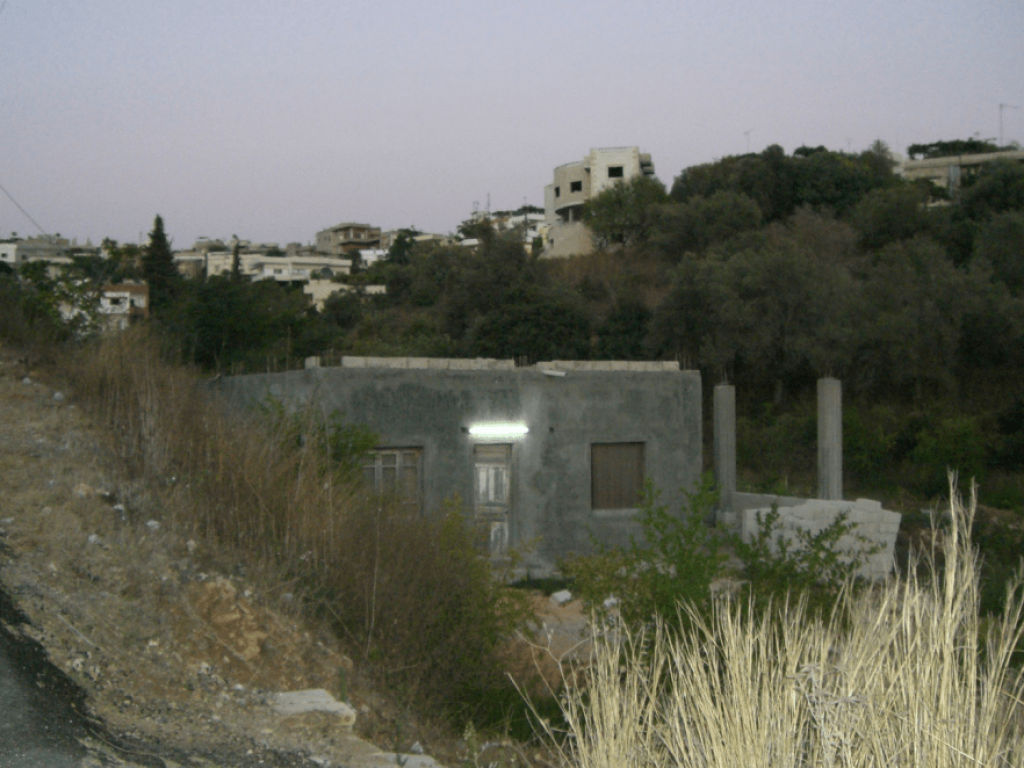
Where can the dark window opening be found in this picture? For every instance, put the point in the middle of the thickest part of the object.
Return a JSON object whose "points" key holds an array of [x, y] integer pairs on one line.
{"points": [[615, 172], [616, 475], [576, 186], [558, 191]]}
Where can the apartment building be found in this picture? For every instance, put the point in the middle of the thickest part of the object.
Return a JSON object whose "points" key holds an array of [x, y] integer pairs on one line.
{"points": [[349, 236], [576, 183]]}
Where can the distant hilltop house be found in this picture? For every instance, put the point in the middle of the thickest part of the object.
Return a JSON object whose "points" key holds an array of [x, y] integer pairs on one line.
{"points": [[576, 183], [52, 248], [949, 172], [295, 266], [346, 238], [124, 303]]}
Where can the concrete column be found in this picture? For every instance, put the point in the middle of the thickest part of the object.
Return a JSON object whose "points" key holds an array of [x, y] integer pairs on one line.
{"points": [[725, 443], [830, 439]]}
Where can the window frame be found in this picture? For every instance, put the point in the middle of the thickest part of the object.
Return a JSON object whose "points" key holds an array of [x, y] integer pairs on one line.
{"points": [[374, 462], [610, 481]]}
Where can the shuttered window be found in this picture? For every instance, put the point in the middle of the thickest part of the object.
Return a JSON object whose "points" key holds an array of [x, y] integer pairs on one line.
{"points": [[616, 475], [397, 471]]}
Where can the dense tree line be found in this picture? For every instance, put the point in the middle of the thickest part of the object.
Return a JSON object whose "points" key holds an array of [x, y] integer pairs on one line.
{"points": [[767, 270]]}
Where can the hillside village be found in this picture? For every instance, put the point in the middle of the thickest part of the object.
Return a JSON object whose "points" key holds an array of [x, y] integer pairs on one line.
{"points": [[323, 266]]}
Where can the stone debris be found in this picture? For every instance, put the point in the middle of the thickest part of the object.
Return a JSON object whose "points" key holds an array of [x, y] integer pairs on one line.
{"points": [[153, 525], [382, 759], [561, 597], [84, 491], [313, 700]]}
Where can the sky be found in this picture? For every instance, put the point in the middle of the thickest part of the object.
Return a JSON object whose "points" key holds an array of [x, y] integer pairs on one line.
{"points": [[273, 120]]}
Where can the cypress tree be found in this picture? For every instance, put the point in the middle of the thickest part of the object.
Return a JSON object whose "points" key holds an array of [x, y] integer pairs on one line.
{"points": [[159, 269]]}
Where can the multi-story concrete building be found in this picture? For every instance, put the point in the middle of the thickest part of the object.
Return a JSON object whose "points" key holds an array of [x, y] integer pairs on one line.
{"points": [[346, 237], [15, 252], [576, 183], [260, 266], [948, 172], [124, 303]]}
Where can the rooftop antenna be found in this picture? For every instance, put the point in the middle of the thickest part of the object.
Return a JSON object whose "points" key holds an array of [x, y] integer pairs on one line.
{"points": [[1001, 108]]}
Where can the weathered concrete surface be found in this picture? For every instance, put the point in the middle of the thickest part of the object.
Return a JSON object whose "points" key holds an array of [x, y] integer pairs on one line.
{"points": [[872, 527], [567, 406]]}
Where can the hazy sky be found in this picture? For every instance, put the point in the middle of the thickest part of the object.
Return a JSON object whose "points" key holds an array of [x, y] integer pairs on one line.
{"points": [[272, 120]]}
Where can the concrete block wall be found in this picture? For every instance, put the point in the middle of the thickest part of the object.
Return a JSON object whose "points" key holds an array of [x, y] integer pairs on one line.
{"points": [[873, 527], [431, 405]]}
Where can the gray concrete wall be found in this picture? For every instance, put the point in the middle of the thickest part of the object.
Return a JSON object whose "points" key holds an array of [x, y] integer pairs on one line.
{"points": [[567, 406], [871, 528]]}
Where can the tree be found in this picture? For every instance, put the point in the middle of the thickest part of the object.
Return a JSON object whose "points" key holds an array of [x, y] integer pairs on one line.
{"points": [[951, 148], [236, 263], [624, 213], [1000, 243], [538, 325], [623, 333], [886, 215], [997, 187], [159, 270], [700, 221], [401, 246], [914, 301]]}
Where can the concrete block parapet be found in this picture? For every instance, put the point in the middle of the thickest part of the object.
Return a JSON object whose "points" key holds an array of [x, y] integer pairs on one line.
{"points": [[428, 363], [644, 366], [872, 527]]}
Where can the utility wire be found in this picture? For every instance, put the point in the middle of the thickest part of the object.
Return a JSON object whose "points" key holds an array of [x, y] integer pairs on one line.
{"points": [[11, 198]]}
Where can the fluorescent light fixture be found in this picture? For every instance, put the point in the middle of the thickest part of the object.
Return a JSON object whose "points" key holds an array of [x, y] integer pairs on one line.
{"points": [[499, 429]]}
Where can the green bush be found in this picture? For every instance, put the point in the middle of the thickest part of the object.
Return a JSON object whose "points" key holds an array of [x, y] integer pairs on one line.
{"points": [[677, 561], [812, 566], [680, 556]]}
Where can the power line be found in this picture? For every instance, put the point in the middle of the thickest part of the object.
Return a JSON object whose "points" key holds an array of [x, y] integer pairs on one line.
{"points": [[11, 198]]}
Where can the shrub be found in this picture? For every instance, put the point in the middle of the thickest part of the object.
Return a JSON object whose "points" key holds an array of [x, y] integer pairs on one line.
{"points": [[668, 575], [676, 562]]}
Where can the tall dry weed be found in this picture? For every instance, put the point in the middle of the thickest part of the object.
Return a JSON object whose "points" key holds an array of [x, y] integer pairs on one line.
{"points": [[408, 592], [899, 676]]}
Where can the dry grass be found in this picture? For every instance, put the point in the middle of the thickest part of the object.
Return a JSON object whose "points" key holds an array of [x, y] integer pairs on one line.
{"points": [[407, 593], [902, 676]]}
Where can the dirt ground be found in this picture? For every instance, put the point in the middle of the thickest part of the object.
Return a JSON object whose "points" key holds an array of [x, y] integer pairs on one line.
{"points": [[176, 648]]}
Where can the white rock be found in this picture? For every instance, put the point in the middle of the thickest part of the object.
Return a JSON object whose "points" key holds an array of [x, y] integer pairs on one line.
{"points": [[153, 525], [312, 700], [407, 761], [94, 539], [58, 397], [561, 597], [26, 380]]}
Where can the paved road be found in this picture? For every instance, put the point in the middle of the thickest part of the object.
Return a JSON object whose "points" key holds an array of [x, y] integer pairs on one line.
{"points": [[41, 720]]}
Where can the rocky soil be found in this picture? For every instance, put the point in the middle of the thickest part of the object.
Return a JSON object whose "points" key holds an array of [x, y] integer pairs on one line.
{"points": [[179, 651]]}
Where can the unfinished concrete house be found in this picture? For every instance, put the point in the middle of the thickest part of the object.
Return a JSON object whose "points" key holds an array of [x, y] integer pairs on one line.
{"points": [[553, 455]]}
